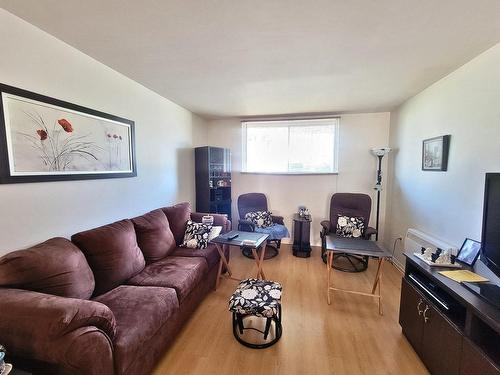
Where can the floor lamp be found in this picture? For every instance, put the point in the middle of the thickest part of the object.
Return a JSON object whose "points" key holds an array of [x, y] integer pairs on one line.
{"points": [[379, 153]]}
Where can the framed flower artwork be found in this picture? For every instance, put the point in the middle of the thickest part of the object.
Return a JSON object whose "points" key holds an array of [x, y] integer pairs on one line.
{"points": [[46, 139]]}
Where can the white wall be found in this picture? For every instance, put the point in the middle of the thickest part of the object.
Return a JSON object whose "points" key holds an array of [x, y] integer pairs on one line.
{"points": [[165, 134], [448, 204], [357, 169]]}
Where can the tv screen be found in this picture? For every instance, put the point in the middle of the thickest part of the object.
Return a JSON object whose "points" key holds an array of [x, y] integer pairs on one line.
{"points": [[490, 239]]}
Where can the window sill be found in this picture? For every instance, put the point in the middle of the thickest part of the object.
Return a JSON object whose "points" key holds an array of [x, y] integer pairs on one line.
{"points": [[294, 174]]}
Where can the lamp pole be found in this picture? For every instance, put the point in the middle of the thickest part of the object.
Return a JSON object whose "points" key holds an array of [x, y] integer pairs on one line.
{"points": [[379, 153], [378, 187]]}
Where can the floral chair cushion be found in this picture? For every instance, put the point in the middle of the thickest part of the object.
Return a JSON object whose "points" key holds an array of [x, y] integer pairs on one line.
{"points": [[350, 226], [196, 235], [261, 219], [256, 297]]}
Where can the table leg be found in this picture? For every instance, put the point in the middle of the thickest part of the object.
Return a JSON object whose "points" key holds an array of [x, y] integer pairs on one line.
{"points": [[377, 275], [222, 261], [329, 262], [219, 274], [378, 282], [380, 310], [262, 256], [259, 261]]}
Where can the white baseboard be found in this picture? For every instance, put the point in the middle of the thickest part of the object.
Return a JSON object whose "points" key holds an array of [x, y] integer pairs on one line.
{"points": [[398, 265]]}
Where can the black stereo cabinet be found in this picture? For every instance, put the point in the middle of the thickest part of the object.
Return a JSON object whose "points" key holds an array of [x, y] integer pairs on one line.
{"points": [[453, 331]]}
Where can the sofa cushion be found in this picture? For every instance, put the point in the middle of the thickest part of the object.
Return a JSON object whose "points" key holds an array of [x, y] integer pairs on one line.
{"points": [[154, 236], [261, 219], [210, 254], [112, 253], [348, 226], [178, 217], [139, 313], [196, 235], [53, 267], [181, 273]]}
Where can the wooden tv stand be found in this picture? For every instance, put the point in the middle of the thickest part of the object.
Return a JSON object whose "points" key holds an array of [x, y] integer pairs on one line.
{"points": [[453, 331]]}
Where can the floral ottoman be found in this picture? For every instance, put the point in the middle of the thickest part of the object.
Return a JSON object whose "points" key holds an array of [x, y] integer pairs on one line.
{"points": [[260, 298]]}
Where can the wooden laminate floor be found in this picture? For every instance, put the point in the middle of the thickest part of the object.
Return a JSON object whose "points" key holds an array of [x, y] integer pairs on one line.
{"points": [[346, 337]]}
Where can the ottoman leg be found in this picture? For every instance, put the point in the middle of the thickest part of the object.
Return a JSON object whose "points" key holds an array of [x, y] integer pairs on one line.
{"points": [[268, 326], [279, 329], [237, 324]]}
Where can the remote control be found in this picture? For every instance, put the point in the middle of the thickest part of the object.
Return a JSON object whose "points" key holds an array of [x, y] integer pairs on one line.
{"points": [[232, 237]]}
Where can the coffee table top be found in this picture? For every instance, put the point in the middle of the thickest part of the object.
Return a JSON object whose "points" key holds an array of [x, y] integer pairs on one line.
{"points": [[355, 246], [259, 238]]}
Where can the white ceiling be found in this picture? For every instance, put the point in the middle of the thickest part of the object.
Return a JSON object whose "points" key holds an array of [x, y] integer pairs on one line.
{"points": [[239, 58]]}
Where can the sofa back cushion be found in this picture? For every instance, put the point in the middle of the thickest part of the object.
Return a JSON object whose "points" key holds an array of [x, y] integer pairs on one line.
{"points": [[178, 217], [54, 267], [112, 253], [154, 236]]}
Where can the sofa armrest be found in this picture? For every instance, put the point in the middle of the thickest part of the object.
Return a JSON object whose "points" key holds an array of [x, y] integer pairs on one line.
{"points": [[369, 232], [88, 351], [219, 220], [326, 226], [246, 226], [45, 327], [278, 219]]}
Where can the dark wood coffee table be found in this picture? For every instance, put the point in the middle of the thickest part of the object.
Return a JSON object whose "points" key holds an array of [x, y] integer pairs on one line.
{"points": [[258, 240], [355, 246]]}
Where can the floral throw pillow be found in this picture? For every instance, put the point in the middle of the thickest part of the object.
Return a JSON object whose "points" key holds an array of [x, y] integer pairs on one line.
{"points": [[348, 226], [261, 219], [196, 235]]}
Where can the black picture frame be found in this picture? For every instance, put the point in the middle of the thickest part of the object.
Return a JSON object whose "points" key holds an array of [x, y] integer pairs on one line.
{"points": [[436, 163], [469, 252], [5, 171]]}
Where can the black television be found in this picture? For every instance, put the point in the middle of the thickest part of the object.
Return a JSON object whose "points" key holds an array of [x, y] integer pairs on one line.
{"points": [[490, 237]]}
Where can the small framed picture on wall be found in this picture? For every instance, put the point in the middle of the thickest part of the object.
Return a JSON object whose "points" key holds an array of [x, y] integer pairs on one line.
{"points": [[469, 252], [435, 153]]}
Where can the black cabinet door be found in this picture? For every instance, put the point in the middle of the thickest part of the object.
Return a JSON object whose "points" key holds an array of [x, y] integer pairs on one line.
{"points": [[441, 344], [475, 362], [410, 319]]}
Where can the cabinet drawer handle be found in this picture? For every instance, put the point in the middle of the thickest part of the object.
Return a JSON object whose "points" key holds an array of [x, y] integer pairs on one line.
{"points": [[418, 307], [426, 318]]}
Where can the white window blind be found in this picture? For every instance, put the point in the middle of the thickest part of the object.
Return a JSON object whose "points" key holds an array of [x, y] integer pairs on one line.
{"points": [[290, 146]]}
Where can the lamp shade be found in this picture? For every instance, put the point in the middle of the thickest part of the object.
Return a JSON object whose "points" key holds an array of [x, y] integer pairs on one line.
{"points": [[381, 151]]}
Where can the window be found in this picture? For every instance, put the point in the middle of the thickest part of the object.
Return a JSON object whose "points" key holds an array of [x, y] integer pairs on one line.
{"points": [[290, 147]]}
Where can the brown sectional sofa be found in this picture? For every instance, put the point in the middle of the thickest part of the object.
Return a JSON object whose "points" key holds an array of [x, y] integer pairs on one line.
{"points": [[110, 301]]}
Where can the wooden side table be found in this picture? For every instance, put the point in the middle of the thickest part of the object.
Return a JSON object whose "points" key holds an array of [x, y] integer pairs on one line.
{"points": [[259, 240], [301, 236], [336, 245]]}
